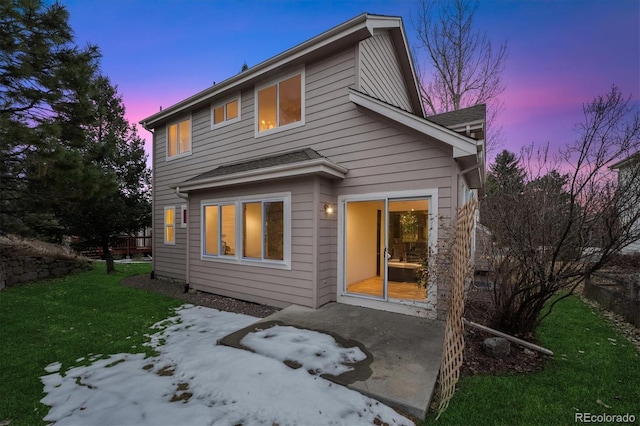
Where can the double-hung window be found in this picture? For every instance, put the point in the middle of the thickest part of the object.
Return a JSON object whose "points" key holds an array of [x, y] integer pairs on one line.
{"points": [[179, 138], [280, 104], [226, 112], [253, 230], [169, 225]]}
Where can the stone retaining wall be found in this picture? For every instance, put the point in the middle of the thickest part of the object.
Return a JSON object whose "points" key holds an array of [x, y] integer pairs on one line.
{"points": [[16, 268]]}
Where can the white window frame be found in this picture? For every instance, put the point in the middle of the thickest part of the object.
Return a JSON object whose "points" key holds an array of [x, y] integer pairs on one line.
{"points": [[224, 103], [237, 257], [172, 225], [276, 81], [177, 123], [183, 216]]}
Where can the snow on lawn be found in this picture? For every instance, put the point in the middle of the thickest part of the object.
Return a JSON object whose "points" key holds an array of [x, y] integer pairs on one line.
{"points": [[193, 381]]}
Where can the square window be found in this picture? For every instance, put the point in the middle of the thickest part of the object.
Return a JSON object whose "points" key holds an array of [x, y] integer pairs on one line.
{"points": [[225, 112], [280, 104]]}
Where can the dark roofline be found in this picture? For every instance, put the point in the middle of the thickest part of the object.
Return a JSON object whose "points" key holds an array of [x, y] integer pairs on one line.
{"points": [[355, 29], [461, 116], [260, 163]]}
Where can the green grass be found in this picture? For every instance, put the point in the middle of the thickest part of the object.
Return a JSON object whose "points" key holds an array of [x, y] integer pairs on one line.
{"points": [[91, 313], [588, 367], [65, 319]]}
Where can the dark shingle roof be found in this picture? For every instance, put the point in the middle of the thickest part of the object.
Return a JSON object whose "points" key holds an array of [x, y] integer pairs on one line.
{"points": [[260, 163], [465, 115]]}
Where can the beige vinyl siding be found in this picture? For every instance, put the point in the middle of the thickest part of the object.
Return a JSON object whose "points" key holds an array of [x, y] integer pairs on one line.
{"points": [[276, 287], [380, 157], [326, 245], [380, 74], [168, 259]]}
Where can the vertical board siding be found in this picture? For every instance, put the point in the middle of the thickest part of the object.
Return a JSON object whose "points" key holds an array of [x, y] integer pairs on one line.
{"points": [[380, 74]]}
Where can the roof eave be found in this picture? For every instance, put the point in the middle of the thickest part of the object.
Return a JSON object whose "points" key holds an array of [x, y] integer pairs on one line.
{"points": [[461, 145], [320, 166], [470, 153], [360, 27]]}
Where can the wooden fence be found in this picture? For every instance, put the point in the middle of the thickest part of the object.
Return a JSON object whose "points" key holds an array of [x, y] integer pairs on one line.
{"points": [[126, 246]]}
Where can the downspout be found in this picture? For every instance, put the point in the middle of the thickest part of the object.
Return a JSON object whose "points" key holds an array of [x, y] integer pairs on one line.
{"points": [[153, 203], [185, 196]]}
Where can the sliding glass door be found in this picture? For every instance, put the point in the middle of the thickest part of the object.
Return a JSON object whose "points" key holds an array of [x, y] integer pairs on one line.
{"points": [[386, 241], [364, 248]]}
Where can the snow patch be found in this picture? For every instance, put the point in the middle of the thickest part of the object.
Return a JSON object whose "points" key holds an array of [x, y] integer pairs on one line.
{"points": [[316, 352], [194, 381], [53, 367]]}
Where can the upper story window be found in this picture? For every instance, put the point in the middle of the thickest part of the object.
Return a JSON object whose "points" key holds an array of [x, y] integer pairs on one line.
{"points": [[280, 104], [225, 112], [179, 138]]}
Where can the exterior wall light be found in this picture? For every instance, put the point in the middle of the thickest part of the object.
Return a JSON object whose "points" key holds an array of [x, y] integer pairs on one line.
{"points": [[328, 209]]}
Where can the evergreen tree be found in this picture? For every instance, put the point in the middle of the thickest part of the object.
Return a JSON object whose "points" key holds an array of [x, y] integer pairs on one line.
{"points": [[43, 75], [505, 175], [110, 195]]}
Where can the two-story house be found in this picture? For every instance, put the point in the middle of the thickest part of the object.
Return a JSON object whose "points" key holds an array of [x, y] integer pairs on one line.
{"points": [[313, 177]]}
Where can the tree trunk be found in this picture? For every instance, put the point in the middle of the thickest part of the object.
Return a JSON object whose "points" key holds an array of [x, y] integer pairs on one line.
{"points": [[106, 252]]}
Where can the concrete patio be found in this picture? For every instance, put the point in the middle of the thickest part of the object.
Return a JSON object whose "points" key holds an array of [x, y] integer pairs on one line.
{"points": [[404, 352]]}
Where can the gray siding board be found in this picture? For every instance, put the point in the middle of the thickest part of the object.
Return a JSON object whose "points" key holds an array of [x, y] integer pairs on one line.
{"points": [[280, 287], [380, 74], [380, 157], [327, 249]]}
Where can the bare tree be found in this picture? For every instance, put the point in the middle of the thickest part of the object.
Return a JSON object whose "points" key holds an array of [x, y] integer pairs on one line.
{"points": [[571, 217], [466, 69]]}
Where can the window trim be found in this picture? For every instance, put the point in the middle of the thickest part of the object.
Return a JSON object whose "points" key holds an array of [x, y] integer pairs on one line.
{"points": [[177, 123], [223, 103], [165, 225], [238, 256], [276, 81]]}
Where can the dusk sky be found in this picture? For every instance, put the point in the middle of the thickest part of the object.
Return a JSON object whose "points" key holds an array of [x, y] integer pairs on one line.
{"points": [[561, 53]]}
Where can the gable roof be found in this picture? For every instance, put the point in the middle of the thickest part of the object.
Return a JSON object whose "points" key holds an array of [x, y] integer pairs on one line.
{"points": [[287, 164], [348, 33]]}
